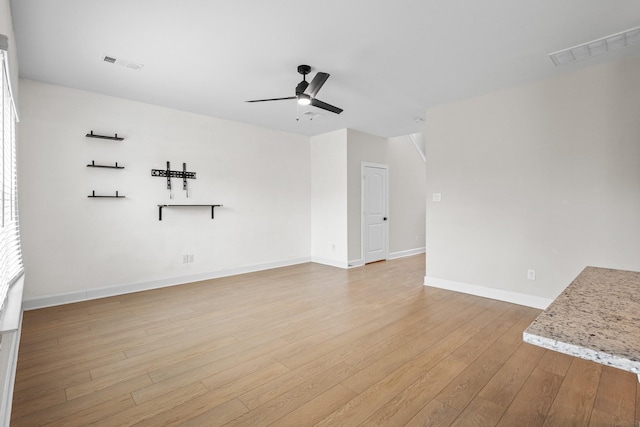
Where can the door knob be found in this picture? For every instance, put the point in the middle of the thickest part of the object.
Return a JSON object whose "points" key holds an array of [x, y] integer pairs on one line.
{"points": [[384, 219]]}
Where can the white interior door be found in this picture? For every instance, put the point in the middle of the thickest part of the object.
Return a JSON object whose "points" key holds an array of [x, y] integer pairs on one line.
{"points": [[374, 208]]}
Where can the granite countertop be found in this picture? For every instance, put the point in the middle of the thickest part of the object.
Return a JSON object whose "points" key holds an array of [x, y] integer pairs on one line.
{"points": [[597, 317]]}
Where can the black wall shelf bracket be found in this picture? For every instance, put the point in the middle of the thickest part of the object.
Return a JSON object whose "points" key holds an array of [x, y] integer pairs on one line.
{"points": [[185, 206], [113, 138], [93, 165], [117, 196]]}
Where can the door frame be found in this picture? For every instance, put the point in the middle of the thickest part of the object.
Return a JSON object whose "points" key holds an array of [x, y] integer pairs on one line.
{"points": [[363, 165]]}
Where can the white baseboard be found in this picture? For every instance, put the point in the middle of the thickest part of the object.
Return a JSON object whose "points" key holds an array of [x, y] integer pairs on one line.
{"points": [[483, 291], [391, 255], [90, 294], [331, 262], [408, 252], [356, 263]]}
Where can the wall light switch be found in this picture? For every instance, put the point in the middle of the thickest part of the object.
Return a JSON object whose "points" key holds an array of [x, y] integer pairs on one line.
{"points": [[436, 197]]}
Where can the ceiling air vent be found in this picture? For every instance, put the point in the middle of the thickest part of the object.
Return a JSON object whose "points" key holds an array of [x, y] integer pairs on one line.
{"points": [[596, 47], [122, 62]]}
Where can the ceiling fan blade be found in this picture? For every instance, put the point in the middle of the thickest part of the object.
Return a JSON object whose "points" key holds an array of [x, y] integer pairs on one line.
{"points": [[317, 103], [272, 99], [316, 84]]}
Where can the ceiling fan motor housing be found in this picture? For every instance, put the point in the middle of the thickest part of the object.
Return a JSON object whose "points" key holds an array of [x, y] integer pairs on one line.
{"points": [[304, 69]]}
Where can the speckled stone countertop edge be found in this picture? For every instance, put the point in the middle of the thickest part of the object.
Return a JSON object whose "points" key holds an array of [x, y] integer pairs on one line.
{"points": [[583, 353]]}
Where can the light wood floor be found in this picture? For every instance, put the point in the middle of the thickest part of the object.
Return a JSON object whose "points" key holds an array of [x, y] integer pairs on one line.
{"points": [[306, 345]]}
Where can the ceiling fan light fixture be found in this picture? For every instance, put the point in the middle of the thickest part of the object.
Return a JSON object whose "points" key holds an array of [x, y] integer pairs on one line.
{"points": [[304, 99]]}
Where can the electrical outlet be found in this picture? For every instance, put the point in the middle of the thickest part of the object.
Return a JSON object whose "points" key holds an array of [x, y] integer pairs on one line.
{"points": [[191, 258], [531, 274], [436, 197], [185, 259]]}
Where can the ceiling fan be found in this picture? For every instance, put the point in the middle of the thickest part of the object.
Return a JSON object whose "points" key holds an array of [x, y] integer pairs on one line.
{"points": [[306, 92]]}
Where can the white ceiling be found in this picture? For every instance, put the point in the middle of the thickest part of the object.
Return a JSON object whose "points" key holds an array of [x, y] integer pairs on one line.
{"points": [[388, 60]]}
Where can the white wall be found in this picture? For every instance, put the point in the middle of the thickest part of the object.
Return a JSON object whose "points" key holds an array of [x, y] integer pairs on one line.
{"points": [[407, 189], [543, 176], [73, 244], [329, 243]]}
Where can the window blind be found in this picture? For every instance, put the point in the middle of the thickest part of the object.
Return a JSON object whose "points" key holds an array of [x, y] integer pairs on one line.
{"points": [[10, 252]]}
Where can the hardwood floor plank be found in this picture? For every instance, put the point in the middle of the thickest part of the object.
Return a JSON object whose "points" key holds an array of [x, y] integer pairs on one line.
{"points": [[49, 386], [616, 395], [556, 363], [87, 388], [440, 365], [70, 354], [290, 380], [382, 319], [219, 392], [439, 341], [317, 408], [162, 404], [276, 408], [70, 410], [436, 324], [358, 409], [402, 407], [480, 412], [531, 405], [602, 419], [209, 363], [93, 415], [32, 377], [574, 401], [434, 413], [39, 403], [506, 383], [198, 412], [464, 388]]}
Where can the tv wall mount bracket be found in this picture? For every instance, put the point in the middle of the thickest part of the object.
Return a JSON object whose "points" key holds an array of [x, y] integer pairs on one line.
{"points": [[168, 173]]}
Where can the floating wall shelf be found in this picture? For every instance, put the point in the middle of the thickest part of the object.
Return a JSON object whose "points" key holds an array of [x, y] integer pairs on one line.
{"points": [[184, 206], [113, 138], [117, 196], [93, 165]]}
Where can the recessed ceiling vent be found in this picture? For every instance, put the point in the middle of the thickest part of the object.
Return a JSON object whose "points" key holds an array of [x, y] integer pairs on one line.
{"points": [[122, 62], [596, 47]]}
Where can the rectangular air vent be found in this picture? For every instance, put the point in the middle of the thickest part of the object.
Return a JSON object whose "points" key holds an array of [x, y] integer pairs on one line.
{"points": [[122, 62], [596, 47]]}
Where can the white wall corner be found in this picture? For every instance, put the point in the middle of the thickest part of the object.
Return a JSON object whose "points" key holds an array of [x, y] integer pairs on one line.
{"points": [[330, 262], [356, 263], [485, 292]]}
